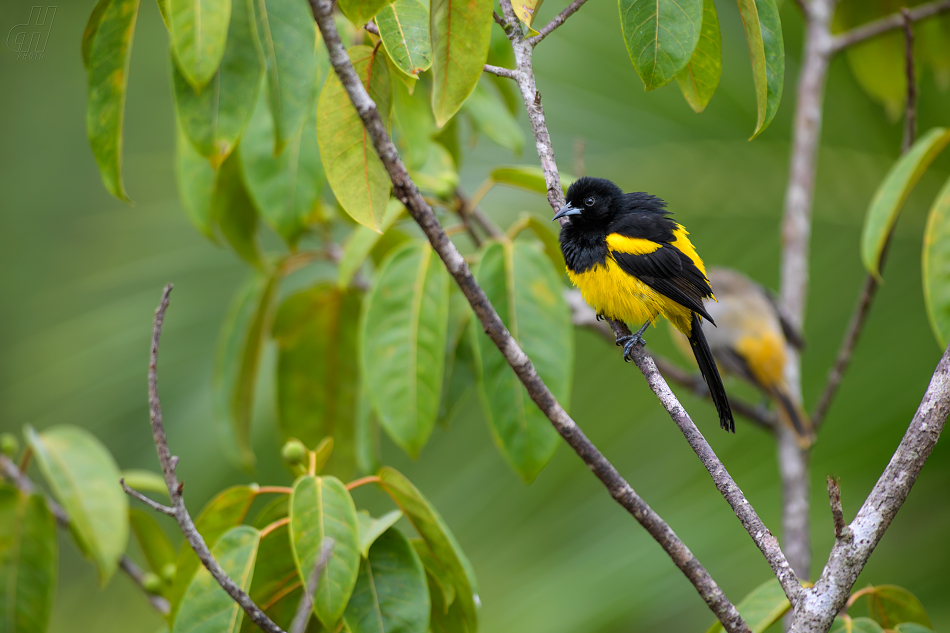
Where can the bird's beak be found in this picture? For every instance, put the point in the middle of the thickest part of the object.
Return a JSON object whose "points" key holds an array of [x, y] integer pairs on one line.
{"points": [[565, 211]]}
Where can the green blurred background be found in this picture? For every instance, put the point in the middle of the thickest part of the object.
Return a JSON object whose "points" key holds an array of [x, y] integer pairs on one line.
{"points": [[80, 275]]}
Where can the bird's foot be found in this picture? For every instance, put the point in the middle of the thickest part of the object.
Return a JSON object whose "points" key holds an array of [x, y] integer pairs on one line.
{"points": [[600, 316], [630, 341]]}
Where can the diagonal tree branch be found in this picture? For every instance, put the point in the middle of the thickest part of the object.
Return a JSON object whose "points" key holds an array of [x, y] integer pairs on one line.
{"points": [[19, 479], [885, 24], [407, 193], [562, 17], [852, 550], [169, 463]]}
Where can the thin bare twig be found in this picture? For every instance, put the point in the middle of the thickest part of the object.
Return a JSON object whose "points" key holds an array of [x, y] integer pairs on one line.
{"points": [[405, 190], [154, 505], [730, 491], [885, 24], [837, 513], [821, 603], [869, 288], [501, 71], [19, 479], [168, 462], [305, 606], [562, 17]]}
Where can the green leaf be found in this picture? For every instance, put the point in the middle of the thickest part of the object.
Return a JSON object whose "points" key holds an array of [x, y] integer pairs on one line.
{"points": [[413, 124], [238, 356], [877, 64], [277, 509], [936, 266], [294, 66], [199, 35], [438, 174], [523, 286], [206, 607], [196, 182], [163, 10], [391, 593], [501, 54], [526, 10], [459, 381], [276, 586], [359, 12], [85, 480], [322, 507], [361, 241], [152, 539], [762, 608], [371, 529], [402, 341], [367, 435], [226, 510], [145, 481], [318, 380], [404, 29], [356, 175], [661, 36], [108, 50], [527, 177], [92, 28], [214, 116], [911, 627], [437, 575], [934, 37], [445, 616], [893, 192], [890, 605], [700, 78], [28, 561], [491, 117], [232, 209], [442, 545], [461, 33], [845, 624], [285, 188], [763, 31]]}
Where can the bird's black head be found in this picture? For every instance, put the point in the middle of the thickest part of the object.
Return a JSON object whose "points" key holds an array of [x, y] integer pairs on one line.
{"points": [[591, 201]]}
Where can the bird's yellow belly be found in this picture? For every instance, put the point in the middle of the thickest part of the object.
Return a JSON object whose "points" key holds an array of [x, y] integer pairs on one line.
{"points": [[620, 296]]}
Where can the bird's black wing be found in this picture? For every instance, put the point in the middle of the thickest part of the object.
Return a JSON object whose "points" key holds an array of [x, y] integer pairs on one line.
{"points": [[670, 272]]}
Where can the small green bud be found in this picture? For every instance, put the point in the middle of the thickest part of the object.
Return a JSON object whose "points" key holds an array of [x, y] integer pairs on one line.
{"points": [[152, 583], [168, 572], [9, 444], [294, 452]]}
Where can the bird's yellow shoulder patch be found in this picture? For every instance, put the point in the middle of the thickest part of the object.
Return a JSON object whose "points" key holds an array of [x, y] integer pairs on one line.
{"points": [[631, 245]]}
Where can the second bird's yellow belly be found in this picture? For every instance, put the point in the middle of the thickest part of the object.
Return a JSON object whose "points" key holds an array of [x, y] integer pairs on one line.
{"points": [[616, 294]]}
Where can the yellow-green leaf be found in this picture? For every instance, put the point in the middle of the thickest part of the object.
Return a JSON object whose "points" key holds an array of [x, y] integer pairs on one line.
{"points": [[402, 343], [226, 510], [936, 266], [527, 177], [85, 480], [196, 181], [700, 78], [206, 607], [356, 175], [762, 608], [318, 380], [295, 63], [361, 241], [461, 33], [109, 47], [145, 481], [214, 116], [240, 345], [524, 287], [152, 539], [371, 529], [846, 624], [491, 117], [404, 29], [763, 31], [28, 561], [526, 10], [890, 605], [894, 191], [661, 36], [321, 507], [199, 33], [359, 12], [234, 212], [275, 587]]}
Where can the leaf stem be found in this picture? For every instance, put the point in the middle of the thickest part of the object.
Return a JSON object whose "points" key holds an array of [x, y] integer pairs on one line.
{"points": [[372, 479]]}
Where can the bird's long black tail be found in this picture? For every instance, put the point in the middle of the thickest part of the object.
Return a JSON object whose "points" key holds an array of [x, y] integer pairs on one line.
{"points": [[707, 367]]}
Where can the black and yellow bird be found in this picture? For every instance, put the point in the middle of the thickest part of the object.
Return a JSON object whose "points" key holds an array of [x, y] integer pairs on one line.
{"points": [[633, 263]]}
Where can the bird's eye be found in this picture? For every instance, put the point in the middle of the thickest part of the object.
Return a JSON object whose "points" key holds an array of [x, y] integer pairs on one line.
{"points": [[589, 202]]}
